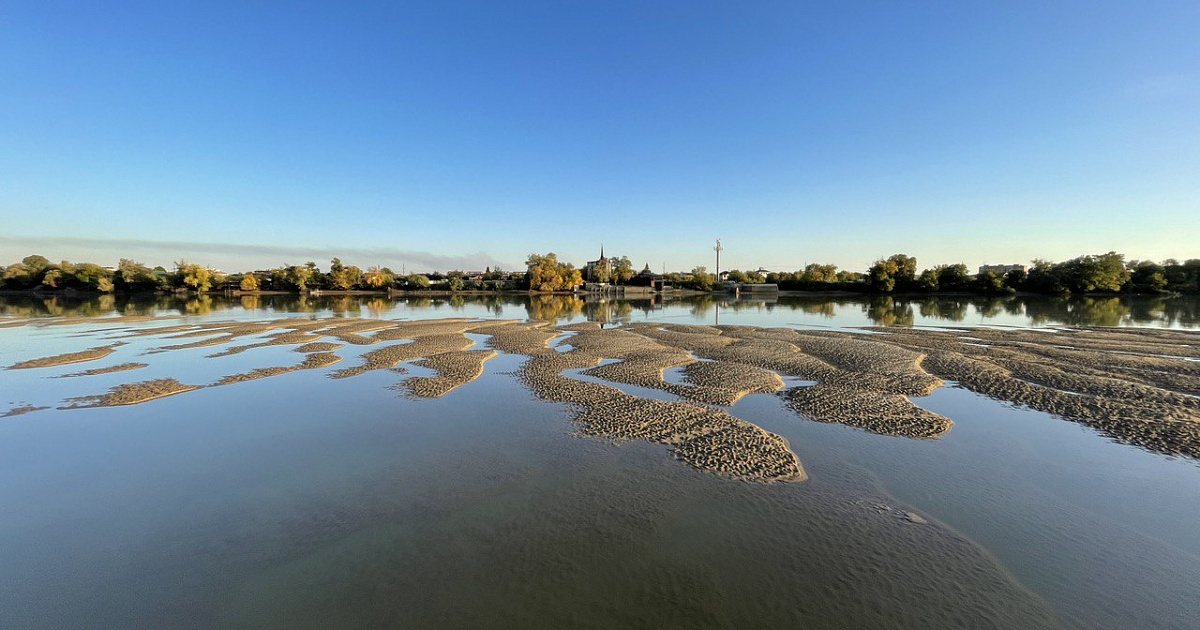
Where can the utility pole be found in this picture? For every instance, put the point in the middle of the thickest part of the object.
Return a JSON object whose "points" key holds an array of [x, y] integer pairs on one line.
{"points": [[718, 249]]}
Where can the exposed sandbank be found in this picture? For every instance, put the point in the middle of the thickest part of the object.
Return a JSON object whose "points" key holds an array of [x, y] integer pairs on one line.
{"points": [[454, 369], [1135, 385], [21, 410], [123, 367], [312, 361], [133, 393], [90, 354], [320, 346]]}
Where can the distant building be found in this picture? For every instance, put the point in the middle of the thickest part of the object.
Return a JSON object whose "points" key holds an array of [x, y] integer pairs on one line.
{"points": [[1000, 270], [595, 269]]}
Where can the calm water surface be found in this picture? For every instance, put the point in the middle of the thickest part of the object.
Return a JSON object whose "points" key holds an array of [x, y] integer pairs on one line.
{"points": [[300, 501], [786, 310]]}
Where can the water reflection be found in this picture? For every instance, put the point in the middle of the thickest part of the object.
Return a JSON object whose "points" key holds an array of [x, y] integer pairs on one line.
{"points": [[849, 310]]}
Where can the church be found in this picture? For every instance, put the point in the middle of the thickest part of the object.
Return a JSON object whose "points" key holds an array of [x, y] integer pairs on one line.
{"points": [[598, 270]]}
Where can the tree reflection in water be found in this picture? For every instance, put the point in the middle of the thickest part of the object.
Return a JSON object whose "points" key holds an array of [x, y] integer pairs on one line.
{"points": [[1179, 311]]}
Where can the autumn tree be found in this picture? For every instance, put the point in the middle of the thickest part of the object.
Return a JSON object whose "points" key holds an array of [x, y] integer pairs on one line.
{"points": [[376, 278], [300, 276], [342, 277], [545, 273], [249, 282], [193, 276]]}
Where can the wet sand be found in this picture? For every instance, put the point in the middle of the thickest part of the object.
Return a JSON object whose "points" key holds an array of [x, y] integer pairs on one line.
{"points": [[1137, 386], [123, 367], [133, 393], [861, 383], [314, 361], [454, 369], [21, 410], [320, 346], [91, 354]]}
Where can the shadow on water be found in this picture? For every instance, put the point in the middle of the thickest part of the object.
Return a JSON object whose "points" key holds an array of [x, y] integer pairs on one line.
{"points": [[835, 311]]}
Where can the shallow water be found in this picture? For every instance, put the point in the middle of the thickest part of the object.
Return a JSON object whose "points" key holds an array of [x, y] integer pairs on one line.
{"points": [[805, 311], [301, 501]]}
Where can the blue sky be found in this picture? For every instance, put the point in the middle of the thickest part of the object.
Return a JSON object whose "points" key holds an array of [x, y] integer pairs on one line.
{"points": [[441, 134]]}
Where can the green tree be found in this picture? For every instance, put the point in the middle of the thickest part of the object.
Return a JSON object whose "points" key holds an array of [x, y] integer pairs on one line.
{"points": [[299, 277], [906, 269], [52, 278], [133, 276], [36, 264], [1147, 277], [353, 276], [622, 271], [952, 277], [991, 283], [456, 284], [17, 276], [928, 280], [881, 277], [91, 277], [816, 272], [338, 279], [702, 280], [416, 281], [1100, 272]]}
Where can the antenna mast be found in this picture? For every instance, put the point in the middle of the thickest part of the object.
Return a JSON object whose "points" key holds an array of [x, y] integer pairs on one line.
{"points": [[718, 249]]}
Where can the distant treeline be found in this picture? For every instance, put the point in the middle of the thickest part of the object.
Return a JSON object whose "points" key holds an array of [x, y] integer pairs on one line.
{"points": [[37, 272], [1100, 273]]}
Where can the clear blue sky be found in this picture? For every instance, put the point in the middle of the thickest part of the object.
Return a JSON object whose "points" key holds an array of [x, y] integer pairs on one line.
{"points": [[440, 134]]}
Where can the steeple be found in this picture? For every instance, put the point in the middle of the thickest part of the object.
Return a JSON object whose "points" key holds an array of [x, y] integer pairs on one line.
{"points": [[602, 252]]}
